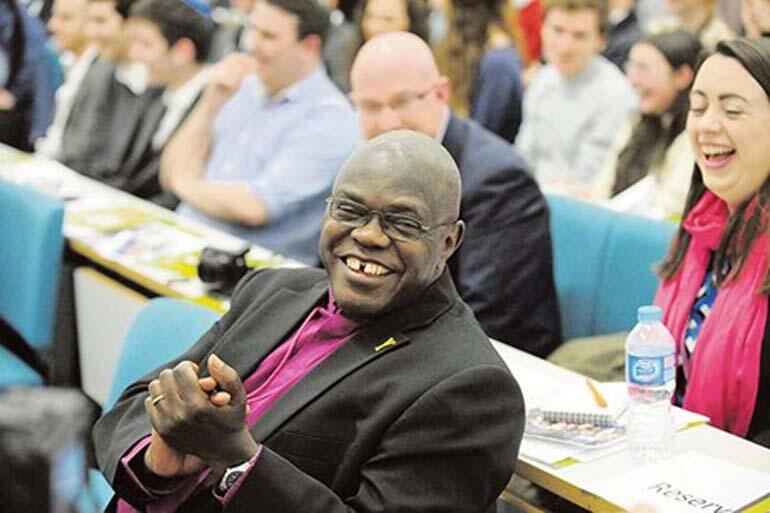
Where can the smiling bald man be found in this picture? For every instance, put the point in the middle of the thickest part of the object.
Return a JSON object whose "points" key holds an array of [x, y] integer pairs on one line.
{"points": [[365, 387]]}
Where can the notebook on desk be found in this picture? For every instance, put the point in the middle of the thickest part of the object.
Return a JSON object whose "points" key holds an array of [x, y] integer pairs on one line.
{"points": [[584, 414]]}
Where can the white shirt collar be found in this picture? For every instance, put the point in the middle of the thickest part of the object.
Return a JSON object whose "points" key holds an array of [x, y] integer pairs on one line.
{"points": [[442, 128], [184, 95]]}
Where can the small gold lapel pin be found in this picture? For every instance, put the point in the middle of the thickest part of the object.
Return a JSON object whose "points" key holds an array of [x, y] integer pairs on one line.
{"points": [[390, 342]]}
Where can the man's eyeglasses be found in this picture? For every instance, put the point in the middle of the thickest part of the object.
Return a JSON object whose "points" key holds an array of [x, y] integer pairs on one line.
{"points": [[399, 227], [400, 103]]}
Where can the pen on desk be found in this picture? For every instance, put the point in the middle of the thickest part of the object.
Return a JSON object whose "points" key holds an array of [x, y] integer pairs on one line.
{"points": [[598, 398]]}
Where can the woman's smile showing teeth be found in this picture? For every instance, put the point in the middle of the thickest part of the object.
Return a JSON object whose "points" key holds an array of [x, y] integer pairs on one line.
{"points": [[716, 156], [364, 267]]}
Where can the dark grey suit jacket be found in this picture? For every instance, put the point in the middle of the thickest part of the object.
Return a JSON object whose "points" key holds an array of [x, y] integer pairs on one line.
{"points": [[430, 424], [504, 267], [104, 118]]}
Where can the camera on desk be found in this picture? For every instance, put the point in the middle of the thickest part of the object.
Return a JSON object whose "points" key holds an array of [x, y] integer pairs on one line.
{"points": [[221, 269]]}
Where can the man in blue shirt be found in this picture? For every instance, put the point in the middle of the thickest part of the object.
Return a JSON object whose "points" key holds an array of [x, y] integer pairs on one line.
{"points": [[258, 155]]}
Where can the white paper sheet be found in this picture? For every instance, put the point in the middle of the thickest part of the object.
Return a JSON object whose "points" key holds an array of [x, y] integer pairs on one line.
{"points": [[687, 483]]}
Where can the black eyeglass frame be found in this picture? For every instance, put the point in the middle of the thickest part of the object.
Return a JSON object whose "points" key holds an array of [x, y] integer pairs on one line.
{"points": [[388, 220]]}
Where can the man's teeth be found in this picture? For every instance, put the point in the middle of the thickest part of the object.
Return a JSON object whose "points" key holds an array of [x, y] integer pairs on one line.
{"points": [[353, 263], [714, 151], [369, 268]]}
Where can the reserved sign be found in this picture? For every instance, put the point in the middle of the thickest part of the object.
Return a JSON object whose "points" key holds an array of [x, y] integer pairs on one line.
{"points": [[689, 483]]}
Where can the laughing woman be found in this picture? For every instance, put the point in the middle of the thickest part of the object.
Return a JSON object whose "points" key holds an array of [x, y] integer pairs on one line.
{"points": [[716, 282]]}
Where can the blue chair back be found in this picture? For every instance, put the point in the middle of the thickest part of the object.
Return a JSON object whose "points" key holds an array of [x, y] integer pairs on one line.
{"points": [[161, 331], [603, 265], [31, 243]]}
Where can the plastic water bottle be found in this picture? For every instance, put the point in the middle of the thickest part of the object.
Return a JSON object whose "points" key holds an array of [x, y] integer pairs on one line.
{"points": [[650, 376]]}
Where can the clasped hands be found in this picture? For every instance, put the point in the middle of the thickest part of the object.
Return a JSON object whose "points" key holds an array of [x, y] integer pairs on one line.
{"points": [[197, 422]]}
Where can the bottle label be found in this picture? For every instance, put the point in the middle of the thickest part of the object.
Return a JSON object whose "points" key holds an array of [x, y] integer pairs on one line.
{"points": [[650, 370]]}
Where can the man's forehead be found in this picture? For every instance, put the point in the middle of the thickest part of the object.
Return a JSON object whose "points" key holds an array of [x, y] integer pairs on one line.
{"points": [[584, 18], [381, 172], [384, 84], [264, 16]]}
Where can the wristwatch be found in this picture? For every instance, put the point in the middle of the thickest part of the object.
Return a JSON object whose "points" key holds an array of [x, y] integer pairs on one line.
{"points": [[231, 476]]}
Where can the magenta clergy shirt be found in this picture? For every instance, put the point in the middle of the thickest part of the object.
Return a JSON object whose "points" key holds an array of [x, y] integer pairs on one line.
{"points": [[321, 333]]}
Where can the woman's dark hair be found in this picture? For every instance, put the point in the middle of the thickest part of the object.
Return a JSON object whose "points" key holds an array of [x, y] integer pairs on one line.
{"points": [[750, 219], [459, 54], [653, 134]]}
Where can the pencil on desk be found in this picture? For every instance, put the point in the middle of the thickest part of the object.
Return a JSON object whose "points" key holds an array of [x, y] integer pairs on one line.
{"points": [[598, 397]]}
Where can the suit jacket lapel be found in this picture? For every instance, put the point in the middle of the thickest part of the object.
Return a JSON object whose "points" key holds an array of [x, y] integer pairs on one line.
{"points": [[277, 317], [150, 122]]}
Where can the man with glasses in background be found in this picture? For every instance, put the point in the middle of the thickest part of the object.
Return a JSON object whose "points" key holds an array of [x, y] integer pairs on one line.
{"points": [[366, 386], [504, 268]]}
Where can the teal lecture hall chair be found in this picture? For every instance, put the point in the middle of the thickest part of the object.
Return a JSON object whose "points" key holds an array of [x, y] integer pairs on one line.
{"points": [[161, 331], [31, 245], [603, 265]]}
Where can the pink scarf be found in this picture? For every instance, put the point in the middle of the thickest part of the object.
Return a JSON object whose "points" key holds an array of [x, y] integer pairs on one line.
{"points": [[724, 372]]}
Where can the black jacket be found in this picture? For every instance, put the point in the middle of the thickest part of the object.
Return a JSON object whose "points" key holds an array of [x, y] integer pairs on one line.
{"points": [[432, 423], [504, 267]]}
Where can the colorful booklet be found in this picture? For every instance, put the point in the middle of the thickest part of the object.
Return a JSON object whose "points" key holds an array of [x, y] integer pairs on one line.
{"points": [[586, 414]]}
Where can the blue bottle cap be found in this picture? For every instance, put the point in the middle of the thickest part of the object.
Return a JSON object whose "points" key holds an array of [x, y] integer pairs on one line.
{"points": [[649, 313]]}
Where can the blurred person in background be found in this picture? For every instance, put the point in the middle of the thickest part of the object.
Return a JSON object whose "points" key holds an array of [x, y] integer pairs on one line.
{"points": [[577, 102], [698, 17], [77, 54], [480, 57], [26, 77], [623, 31], [373, 17], [397, 85], [171, 39], [112, 99], [654, 143], [755, 16], [258, 154]]}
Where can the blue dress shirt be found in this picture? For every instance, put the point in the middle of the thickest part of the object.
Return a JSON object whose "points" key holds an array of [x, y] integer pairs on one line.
{"points": [[288, 149]]}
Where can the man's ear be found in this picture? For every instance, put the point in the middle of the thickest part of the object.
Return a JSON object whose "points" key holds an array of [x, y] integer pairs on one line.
{"points": [[683, 77], [312, 43], [184, 51], [454, 237], [444, 89]]}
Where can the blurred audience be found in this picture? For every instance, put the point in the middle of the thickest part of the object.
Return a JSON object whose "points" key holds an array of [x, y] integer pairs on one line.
{"points": [[258, 155], [654, 144], [577, 102], [112, 98], [479, 55], [373, 17], [698, 17], [755, 16]]}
